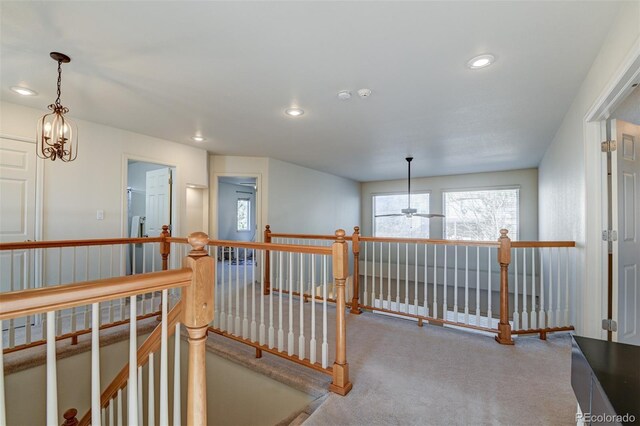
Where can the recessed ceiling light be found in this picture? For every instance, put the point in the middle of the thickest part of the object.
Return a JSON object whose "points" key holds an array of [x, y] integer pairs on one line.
{"points": [[344, 95], [198, 138], [24, 91], [294, 112], [364, 93], [481, 61]]}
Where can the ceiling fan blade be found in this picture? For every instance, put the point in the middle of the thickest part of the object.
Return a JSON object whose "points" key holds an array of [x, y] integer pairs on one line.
{"points": [[389, 215], [428, 215]]}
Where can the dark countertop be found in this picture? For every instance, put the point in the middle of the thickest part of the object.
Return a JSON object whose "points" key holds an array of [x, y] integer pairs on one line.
{"points": [[617, 368]]}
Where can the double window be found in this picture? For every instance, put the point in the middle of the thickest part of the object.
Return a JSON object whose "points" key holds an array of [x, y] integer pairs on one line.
{"points": [[479, 215], [400, 226]]}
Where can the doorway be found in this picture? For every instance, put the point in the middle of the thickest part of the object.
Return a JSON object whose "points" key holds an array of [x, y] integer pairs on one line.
{"points": [[150, 205], [237, 208]]}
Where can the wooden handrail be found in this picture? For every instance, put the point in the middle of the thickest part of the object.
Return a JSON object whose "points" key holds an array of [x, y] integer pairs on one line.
{"points": [[77, 243], [151, 344], [18, 304], [262, 246], [521, 244], [309, 236], [430, 241]]}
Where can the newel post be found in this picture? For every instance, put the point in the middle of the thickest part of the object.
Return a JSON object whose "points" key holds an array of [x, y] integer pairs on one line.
{"points": [[504, 258], [355, 246], [267, 262], [197, 313], [70, 418], [340, 383], [165, 247]]}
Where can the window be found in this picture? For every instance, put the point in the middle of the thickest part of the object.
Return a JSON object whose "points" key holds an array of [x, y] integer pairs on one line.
{"points": [[479, 215], [400, 226], [243, 215]]}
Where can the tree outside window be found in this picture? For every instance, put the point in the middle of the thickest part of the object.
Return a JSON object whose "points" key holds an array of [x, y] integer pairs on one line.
{"points": [[243, 214], [400, 226]]}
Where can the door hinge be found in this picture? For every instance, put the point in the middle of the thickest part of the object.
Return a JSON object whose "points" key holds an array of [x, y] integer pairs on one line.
{"points": [[608, 146], [609, 325], [609, 235]]}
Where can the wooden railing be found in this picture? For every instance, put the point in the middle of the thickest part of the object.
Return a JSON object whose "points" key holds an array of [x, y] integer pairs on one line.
{"points": [[196, 312], [37, 264], [458, 283]]}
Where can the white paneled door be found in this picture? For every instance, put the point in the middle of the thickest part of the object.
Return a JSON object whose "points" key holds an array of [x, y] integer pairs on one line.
{"points": [[628, 175], [158, 201], [17, 209]]}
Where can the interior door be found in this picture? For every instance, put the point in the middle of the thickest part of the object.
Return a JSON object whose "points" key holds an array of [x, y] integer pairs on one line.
{"points": [[17, 210], [158, 206], [628, 175]]}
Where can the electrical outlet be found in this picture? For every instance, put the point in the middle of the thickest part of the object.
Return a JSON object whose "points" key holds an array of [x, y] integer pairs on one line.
{"points": [[100, 215]]}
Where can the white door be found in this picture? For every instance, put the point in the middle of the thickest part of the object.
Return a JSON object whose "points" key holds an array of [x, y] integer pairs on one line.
{"points": [[628, 182], [158, 201], [17, 209]]}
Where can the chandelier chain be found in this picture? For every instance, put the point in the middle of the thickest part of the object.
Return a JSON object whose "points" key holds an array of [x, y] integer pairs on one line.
{"points": [[59, 82]]}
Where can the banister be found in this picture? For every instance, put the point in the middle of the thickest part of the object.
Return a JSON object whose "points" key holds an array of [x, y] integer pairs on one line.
{"points": [[291, 248], [151, 344], [17, 304], [309, 236], [76, 243], [523, 244]]}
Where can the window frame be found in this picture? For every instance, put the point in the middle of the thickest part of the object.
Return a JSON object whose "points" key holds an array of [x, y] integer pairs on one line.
{"points": [[248, 200], [373, 205], [483, 188]]}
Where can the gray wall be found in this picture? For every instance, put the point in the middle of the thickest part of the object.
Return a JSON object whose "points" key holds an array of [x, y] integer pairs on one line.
{"points": [[228, 195], [526, 180]]}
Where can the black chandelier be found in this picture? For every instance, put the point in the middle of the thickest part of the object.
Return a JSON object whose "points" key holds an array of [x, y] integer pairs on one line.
{"points": [[57, 136]]}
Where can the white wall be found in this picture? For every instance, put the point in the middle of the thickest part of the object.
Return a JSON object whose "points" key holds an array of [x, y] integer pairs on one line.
{"points": [[73, 192], [564, 195], [525, 179], [302, 200], [228, 196]]}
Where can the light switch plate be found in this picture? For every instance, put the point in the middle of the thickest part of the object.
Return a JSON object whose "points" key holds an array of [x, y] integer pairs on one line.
{"points": [[100, 215]]}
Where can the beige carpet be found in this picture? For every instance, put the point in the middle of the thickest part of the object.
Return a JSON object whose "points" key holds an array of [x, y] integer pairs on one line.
{"points": [[403, 375]]}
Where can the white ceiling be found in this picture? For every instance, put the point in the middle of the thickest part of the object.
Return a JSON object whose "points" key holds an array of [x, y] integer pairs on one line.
{"points": [[229, 69]]}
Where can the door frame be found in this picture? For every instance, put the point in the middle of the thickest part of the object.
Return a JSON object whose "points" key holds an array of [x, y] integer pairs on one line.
{"points": [[595, 296], [38, 230], [175, 199], [213, 213]]}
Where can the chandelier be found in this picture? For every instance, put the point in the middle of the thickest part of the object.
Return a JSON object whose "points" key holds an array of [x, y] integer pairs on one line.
{"points": [[57, 136]]}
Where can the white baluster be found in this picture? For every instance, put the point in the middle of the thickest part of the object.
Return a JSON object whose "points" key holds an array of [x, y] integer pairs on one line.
{"points": [[365, 294], [236, 329], [176, 378], [426, 274], [325, 345], [381, 278], [406, 278], [445, 308], [312, 341], [3, 410], [28, 324], [550, 316], [435, 281], [534, 313], [516, 313], [566, 286], [466, 284], [52, 377], [271, 278], [111, 414], [280, 288], [230, 299], [245, 318], [541, 312], [397, 277], [253, 297], [73, 280], [525, 312], [415, 280], [12, 333], [489, 289], [261, 329], [151, 394], [103, 416], [120, 408], [478, 286], [388, 277], [58, 313], [140, 402], [558, 263], [223, 317], [95, 364], [164, 361], [373, 274], [290, 348], [455, 283], [132, 384], [302, 342]]}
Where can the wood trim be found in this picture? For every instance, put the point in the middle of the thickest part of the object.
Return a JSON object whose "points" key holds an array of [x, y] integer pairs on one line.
{"points": [[151, 344], [309, 236], [305, 362], [522, 244], [35, 301], [74, 335], [263, 246], [431, 241], [29, 245]]}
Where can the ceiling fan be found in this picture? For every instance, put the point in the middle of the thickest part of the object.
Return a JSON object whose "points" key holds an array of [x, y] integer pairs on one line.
{"points": [[409, 212]]}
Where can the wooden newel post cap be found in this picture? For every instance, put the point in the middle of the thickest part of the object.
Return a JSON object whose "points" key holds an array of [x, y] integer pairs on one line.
{"points": [[503, 233], [356, 229], [165, 229], [268, 227], [70, 417], [340, 234], [198, 241]]}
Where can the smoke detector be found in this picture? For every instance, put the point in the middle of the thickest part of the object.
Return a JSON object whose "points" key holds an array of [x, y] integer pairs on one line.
{"points": [[344, 95], [364, 93]]}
